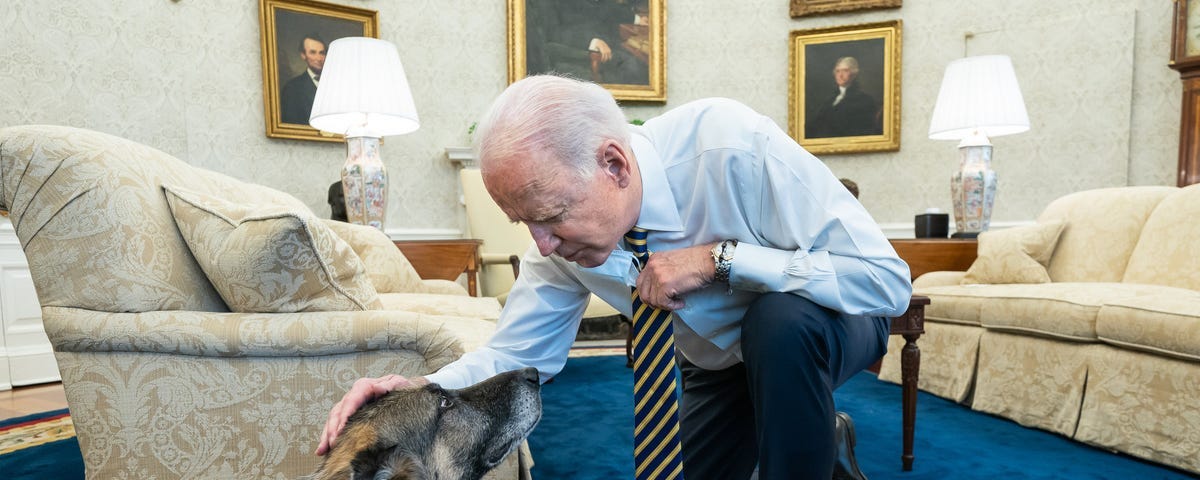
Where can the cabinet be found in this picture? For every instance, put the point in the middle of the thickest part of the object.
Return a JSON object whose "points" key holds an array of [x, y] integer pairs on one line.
{"points": [[26, 357], [444, 259], [935, 254]]}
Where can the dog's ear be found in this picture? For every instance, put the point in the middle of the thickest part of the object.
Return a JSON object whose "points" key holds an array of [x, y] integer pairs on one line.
{"points": [[402, 467]]}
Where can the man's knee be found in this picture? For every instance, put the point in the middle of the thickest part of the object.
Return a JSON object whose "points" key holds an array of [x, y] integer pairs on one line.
{"points": [[785, 321]]}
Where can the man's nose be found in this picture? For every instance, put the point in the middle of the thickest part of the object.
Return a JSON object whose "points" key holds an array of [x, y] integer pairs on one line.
{"points": [[545, 239]]}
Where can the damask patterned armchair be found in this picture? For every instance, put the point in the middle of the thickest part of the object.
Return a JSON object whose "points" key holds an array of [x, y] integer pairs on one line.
{"points": [[204, 326]]}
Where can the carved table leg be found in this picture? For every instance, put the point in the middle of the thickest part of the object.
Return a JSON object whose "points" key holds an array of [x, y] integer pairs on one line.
{"points": [[910, 366]]}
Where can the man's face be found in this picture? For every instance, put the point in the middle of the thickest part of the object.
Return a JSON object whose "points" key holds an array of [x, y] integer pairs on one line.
{"points": [[580, 220], [843, 75], [314, 54]]}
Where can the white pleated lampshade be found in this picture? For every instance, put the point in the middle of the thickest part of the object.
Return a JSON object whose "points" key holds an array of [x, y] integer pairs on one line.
{"points": [[979, 95], [363, 91]]}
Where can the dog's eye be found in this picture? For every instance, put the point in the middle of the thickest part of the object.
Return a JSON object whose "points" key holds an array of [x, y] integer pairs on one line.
{"points": [[446, 402]]}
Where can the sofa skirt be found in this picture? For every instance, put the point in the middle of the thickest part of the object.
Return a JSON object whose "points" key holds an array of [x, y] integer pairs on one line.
{"points": [[948, 357], [150, 415], [1143, 405], [1037, 382]]}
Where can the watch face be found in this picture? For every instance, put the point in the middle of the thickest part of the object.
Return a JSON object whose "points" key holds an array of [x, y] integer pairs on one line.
{"points": [[1192, 44]]}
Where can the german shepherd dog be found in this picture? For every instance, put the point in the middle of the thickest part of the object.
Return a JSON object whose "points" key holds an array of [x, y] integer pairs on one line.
{"points": [[436, 433]]}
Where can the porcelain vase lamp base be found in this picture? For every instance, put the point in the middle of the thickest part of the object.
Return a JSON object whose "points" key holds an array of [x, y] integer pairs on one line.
{"points": [[364, 181], [973, 189]]}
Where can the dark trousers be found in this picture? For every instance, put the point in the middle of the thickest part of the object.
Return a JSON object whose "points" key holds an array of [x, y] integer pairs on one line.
{"points": [[775, 409]]}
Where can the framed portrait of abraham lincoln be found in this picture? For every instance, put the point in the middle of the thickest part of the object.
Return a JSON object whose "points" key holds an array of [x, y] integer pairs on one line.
{"points": [[844, 88], [295, 35], [619, 44]]}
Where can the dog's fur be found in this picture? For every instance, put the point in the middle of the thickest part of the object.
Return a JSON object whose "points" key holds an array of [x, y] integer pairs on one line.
{"points": [[435, 433]]}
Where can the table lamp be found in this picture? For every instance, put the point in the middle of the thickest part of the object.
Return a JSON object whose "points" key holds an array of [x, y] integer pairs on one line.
{"points": [[979, 98], [364, 95]]}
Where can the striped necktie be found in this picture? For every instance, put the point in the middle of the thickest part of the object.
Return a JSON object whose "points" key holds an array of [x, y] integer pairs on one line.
{"points": [[656, 450]]}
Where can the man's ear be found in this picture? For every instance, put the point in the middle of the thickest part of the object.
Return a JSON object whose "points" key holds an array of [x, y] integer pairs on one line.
{"points": [[616, 162]]}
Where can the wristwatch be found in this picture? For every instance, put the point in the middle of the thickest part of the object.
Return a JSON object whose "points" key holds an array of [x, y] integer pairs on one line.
{"points": [[722, 254]]}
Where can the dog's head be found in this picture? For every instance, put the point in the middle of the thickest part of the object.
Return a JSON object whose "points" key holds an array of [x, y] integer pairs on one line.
{"points": [[431, 432]]}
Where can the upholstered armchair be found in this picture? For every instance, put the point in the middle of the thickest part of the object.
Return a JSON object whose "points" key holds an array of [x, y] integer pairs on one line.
{"points": [[204, 326]]}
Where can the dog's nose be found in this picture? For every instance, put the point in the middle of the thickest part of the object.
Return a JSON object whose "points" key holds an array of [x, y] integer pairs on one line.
{"points": [[530, 374]]}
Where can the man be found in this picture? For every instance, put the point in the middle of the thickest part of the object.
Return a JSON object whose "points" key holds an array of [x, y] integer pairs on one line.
{"points": [[295, 103], [765, 328], [849, 111]]}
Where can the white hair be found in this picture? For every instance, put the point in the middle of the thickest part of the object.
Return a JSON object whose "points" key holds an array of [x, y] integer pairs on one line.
{"points": [[849, 62], [567, 118]]}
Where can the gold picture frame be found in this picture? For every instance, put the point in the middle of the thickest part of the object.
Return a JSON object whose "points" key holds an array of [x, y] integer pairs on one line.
{"points": [[801, 8], [286, 30], [619, 44], [865, 115]]}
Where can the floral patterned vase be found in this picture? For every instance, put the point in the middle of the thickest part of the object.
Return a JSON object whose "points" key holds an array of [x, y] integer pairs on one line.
{"points": [[973, 189], [364, 181]]}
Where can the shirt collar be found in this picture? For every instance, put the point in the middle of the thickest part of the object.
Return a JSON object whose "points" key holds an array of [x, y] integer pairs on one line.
{"points": [[659, 211]]}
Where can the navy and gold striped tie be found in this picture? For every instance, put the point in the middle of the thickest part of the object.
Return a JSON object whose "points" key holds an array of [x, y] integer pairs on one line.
{"points": [[656, 450]]}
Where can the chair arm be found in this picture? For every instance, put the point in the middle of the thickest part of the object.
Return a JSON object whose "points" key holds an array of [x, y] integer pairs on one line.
{"points": [[500, 259], [439, 339]]}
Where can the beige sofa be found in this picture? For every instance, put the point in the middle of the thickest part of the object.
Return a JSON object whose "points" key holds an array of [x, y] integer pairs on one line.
{"points": [[1086, 324], [138, 259]]}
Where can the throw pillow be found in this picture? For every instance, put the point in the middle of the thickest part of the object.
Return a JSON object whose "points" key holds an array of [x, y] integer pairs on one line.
{"points": [[1015, 255], [390, 271], [270, 257]]}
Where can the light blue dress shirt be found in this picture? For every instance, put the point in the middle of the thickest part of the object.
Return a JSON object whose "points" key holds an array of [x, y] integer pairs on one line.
{"points": [[711, 170]]}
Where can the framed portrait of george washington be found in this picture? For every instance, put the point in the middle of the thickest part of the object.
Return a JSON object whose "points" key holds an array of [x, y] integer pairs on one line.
{"points": [[295, 35], [619, 44], [844, 88]]}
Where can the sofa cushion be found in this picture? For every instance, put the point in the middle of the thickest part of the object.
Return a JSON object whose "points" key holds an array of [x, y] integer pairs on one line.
{"points": [[270, 257], [1167, 252], [1064, 311], [1015, 255], [953, 303], [1102, 228], [388, 268], [487, 308], [1166, 323]]}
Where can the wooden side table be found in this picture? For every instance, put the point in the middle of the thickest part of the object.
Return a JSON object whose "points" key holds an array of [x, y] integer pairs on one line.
{"points": [[444, 259], [935, 254], [910, 325]]}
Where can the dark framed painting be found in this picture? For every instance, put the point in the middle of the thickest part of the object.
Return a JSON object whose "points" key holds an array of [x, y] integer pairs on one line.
{"points": [[801, 8], [1185, 35], [295, 36], [620, 44], [844, 88]]}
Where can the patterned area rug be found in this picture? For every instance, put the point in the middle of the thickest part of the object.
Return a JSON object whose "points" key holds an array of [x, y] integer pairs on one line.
{"points": [[33, 430]]}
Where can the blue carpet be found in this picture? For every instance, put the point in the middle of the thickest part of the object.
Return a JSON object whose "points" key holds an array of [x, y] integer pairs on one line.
{"points": [[54, 460], [586, 429]]}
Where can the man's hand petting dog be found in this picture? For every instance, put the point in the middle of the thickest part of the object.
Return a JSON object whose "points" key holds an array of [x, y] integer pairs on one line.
{"points": [[364, 390], [428, 432]]}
